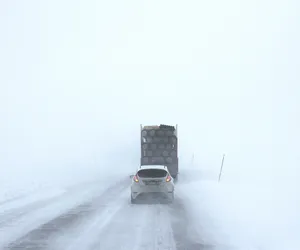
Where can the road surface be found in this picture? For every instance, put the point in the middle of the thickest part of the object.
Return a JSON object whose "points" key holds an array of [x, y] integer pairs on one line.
{"points": [[104, 220]]}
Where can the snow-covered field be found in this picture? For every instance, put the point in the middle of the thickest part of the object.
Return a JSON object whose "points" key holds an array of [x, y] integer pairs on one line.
{"points": [[242, 214], [18, 189], [15, 185]]}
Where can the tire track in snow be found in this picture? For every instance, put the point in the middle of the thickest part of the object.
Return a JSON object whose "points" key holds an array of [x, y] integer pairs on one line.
{"points": [[42, 236], [8, 218], [17, 208], [140, 228], [163, 233], [133, 227], [110, 222], [89, 232], [124, 231]]}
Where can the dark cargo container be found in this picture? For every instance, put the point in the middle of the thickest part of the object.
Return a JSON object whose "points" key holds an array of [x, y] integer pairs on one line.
{"points": [[159, 146]]}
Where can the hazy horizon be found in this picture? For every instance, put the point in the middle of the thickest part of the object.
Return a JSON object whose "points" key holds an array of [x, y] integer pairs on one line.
{"points": [[73, 72]]}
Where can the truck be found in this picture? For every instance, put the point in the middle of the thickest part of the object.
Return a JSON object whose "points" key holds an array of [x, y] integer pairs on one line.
{"points": [[159, 146]]}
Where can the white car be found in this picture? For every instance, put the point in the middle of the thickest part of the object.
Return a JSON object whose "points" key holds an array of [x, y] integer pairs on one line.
{"points": [[152, 181]]}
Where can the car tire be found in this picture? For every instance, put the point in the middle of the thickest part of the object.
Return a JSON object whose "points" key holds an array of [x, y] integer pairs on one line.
{"points": [[133, 201]]}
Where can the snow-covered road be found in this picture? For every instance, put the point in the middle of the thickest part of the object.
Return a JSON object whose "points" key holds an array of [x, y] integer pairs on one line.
{"points": [[97, 218]]}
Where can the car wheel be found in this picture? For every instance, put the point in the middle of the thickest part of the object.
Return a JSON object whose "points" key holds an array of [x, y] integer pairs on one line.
{"points": [[133, 201]]}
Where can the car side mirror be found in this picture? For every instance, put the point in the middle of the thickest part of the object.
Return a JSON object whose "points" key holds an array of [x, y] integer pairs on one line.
{"points": [[131, 176]]}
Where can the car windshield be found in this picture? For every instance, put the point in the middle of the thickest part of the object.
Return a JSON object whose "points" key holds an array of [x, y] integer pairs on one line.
{"points": [[152, 173]]}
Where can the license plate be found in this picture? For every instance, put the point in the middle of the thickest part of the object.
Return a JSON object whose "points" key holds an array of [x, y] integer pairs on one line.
{"points": [[152, 182]]}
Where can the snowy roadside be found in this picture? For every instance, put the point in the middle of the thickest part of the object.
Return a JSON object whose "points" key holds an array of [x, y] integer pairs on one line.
{"points": [[17, 186], [20, 189], [241, 215]]}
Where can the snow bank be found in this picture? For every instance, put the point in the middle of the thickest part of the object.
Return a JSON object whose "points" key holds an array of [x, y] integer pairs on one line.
{"points": [[241, 214]]}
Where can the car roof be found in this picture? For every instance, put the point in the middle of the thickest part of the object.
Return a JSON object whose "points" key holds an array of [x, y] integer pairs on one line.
{"points": [[153, 167]]}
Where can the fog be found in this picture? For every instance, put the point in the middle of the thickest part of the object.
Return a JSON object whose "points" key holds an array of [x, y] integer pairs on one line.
{"points": [[79, 77]]}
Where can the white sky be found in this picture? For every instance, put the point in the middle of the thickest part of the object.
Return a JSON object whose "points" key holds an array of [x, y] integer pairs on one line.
{"points": [[74, 71]]}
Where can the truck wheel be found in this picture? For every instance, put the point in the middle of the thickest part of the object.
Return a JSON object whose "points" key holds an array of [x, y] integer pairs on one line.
{"points": [[175, 178]]}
